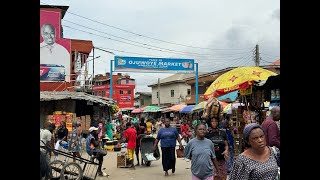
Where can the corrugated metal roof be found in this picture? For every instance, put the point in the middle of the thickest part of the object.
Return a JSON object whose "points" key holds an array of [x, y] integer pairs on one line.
{"points": [[144, 93], [276, 63], [176, 78], [50, 96]]}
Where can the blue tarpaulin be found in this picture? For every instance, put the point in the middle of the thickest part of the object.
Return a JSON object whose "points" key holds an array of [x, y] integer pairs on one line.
{"points": [[187, 109], [232, 96]]}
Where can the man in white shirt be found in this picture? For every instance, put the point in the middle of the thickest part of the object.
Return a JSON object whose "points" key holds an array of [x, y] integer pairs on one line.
{"points": [[46, 136], [53, 53]]}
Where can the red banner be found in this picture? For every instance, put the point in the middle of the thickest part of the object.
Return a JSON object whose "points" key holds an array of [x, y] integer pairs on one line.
{"points": [[54, 50]]}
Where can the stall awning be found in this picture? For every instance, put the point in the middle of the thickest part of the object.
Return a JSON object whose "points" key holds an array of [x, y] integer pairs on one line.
{"points": [[187, 109], [51, 96], [230, 97]]}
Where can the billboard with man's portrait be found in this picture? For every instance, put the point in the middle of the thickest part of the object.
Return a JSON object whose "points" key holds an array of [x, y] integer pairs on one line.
{"points": [[54, 50]]}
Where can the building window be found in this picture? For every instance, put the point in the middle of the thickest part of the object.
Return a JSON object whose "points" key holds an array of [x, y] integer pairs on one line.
{"points": [[157, 94], [142, 102], [121, 91], [127, 81], [189, 92], [172, 93], [129, 91]]}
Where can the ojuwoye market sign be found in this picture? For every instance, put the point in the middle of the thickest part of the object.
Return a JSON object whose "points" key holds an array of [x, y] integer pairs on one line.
{"points": [[135, 64]]}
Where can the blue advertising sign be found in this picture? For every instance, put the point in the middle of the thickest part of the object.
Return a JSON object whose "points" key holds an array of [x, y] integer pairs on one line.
{"points": [[52, 72], [154, 64]]}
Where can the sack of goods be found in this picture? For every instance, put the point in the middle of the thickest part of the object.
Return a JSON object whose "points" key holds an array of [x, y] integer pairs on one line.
{"points": [[212, 109], [150, 157]]}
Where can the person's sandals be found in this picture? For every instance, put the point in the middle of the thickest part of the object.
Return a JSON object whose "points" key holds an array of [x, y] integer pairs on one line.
{"points": [[103, 174], [166, 173]]}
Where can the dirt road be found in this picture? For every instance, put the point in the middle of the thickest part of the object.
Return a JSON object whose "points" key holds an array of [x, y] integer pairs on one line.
{"points": [[153, 172]]}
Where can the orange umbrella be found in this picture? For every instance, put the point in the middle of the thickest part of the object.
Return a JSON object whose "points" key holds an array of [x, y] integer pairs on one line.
{"points": [[138, 110], [236, 79], [177, 107]]}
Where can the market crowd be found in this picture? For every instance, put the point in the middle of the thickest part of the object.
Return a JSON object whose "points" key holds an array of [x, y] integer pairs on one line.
{"points": [[209, 146]]}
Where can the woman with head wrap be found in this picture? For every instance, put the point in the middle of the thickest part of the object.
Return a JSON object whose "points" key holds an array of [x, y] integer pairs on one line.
{"points": [[258, 161]]}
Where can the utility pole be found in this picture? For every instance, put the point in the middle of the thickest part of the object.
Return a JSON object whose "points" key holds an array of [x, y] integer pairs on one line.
{"points": [[93, 63], [159, 92], [257, 60]]}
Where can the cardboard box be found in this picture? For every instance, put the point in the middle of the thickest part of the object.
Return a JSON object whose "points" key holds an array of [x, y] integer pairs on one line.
{"points": [[57, 112], [69, 126]]}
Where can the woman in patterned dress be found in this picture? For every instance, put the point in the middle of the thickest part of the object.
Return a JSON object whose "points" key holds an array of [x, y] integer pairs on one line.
{"points": [[74, 142], [258, 161]]}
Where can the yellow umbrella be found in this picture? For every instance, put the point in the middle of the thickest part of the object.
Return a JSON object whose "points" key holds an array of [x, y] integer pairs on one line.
{"points": [[238, 78]]}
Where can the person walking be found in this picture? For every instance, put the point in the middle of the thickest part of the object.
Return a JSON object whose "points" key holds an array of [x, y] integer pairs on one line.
{"points": [[47, 139], [258, 161], [109, 129], [185, 131], [168, 137], [149, 126], [130, 135], [141, 131], [230, 138], [62, 136], [200, 151], [74, 145], [271, 128], [219, 139]]}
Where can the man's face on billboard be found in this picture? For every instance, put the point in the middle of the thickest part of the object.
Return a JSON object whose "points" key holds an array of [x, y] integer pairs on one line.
{"points": [[48, 34]]}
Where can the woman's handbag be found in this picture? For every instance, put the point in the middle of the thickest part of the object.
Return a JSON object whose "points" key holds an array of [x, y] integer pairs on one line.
{"points": [[180, 152]]}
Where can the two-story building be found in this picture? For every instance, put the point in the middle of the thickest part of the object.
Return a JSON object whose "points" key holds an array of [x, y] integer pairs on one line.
{"points": [[123, 88], [173, 90], [143, 99]]}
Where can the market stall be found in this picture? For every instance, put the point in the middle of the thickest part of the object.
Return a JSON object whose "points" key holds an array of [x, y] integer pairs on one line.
{"points": [[251, 100], [73, 106]]}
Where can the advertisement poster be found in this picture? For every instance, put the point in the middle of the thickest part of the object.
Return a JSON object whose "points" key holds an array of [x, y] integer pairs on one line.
{"points": [[154, 64], [54, 51]]}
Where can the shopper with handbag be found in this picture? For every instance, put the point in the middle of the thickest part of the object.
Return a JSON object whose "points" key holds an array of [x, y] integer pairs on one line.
{"points": [[168, 137]]}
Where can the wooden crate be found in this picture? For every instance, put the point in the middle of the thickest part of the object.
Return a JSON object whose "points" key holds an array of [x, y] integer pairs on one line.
{"points": [[122, 160]]}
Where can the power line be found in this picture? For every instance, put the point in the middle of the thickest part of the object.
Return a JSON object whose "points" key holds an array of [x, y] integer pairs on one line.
{"points": [[103, 48], [134, 41], [131, 43], [270, 56], [234, 62], [266, 61], [140, 35]]}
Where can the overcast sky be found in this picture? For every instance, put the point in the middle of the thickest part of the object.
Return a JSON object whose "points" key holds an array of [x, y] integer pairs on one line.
{"points": [[226, 31]]}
